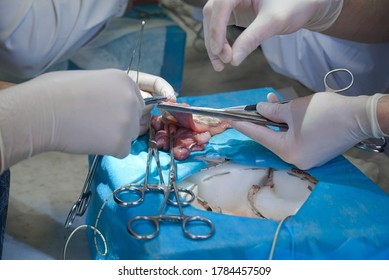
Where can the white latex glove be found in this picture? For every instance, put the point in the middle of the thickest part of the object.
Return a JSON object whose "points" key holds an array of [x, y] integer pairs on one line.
{"points": [[263, 19], [151, 85], [83, 112], [321, 127]]}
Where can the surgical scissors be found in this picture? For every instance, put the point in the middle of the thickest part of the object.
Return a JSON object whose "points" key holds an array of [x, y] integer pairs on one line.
{"points": [[187, 222], [135, 193], [80, 206]]}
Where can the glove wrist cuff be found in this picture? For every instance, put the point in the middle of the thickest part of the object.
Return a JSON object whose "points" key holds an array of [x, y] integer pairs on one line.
{"points": [[327, 13], [371, 110]]}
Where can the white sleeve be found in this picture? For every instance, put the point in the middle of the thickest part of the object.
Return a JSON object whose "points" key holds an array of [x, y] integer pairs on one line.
{"points": [[36, 34], [308, 56]]}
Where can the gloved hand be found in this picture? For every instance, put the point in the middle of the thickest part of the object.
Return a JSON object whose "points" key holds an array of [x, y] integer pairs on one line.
{"points": [[321, 126], [151, 85], [83, 112], [263, 19]]}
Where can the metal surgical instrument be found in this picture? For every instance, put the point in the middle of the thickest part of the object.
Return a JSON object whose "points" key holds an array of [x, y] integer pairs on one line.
{"points": [[139, 48], [238, 115], [80, 206], [188, 223], [135, 193], [372, 145], [154, 100], [251, 107]]}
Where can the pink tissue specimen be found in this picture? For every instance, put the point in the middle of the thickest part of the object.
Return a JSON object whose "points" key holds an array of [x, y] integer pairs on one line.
{"points": [[191, 132]]}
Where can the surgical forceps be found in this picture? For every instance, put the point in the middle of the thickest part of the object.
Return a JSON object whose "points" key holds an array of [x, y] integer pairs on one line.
{"points": [[187, 222], [372, 145], [135, 193], [238, 115], [80, 206]]}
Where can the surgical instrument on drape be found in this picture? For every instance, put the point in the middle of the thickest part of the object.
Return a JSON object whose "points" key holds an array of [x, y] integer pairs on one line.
{"points": [[134, 194], [372, 145], [80, 206], [188, 223]]}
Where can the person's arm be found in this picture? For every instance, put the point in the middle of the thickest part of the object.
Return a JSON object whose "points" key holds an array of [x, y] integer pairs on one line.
{"points": [[321, 126], [363, 21], [83, 112], [358, 20], [36, 34], [262, 19]]}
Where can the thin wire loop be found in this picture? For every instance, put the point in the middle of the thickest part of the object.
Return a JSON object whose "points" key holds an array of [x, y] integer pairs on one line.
{"points": [[329, 73], [95, 230]]}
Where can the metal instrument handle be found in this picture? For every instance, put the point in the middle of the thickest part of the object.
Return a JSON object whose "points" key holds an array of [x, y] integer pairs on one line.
{"points": [[71, 216], [138, 193], [186, 222], [187, 195], [197, 221], [84, 202], [370, 146], [151, 220], [81, 205], [86, 193]]}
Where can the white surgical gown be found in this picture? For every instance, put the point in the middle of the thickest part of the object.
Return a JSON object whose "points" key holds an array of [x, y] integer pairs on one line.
{"points": [[307, 56], [36, 34]]}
